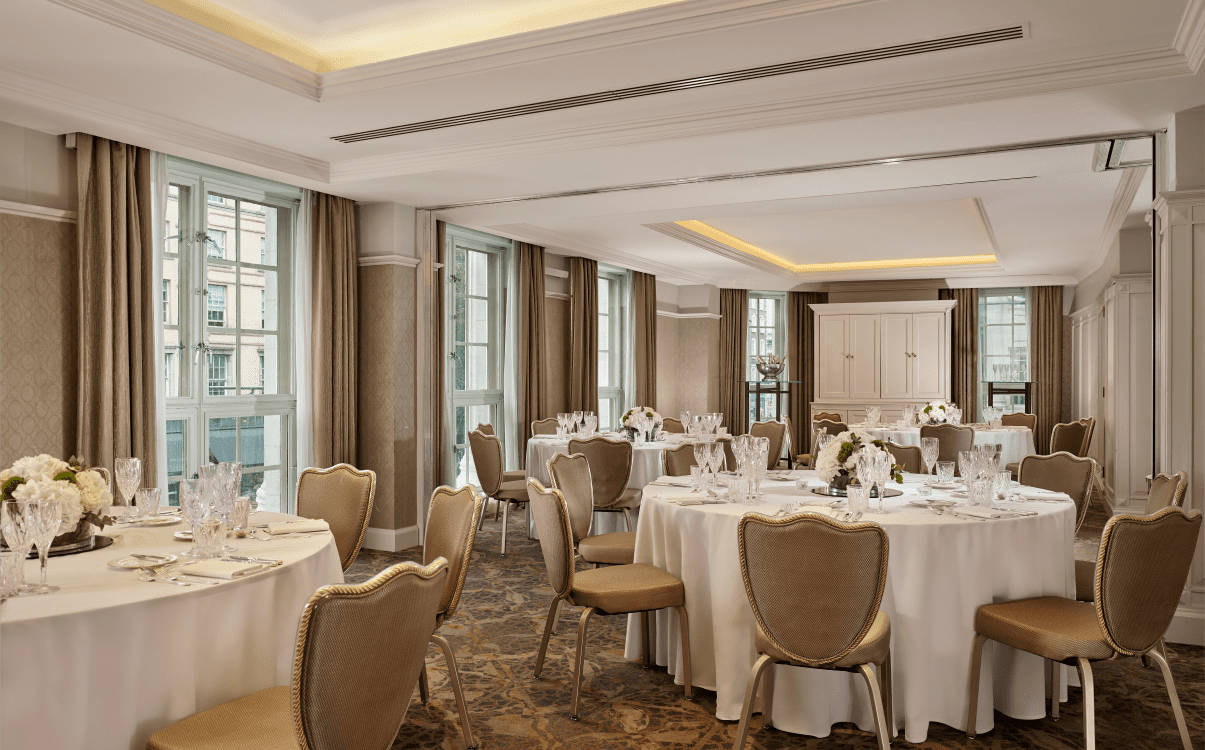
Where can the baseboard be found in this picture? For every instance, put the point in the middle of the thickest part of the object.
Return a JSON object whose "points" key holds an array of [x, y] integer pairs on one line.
{"points": [[1188, 626], [392, 540]]}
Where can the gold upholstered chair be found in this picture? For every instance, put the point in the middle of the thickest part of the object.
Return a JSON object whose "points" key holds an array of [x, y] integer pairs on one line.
{"points": [[676, 461], [487, 458], [342, 496], [514, 475], [673, 424], [1165, 491], [614, 590], [359, 652], [1073, 437], [1061, 472], [451, 530], [829, 621], [950, 440], [779, 434], [1140, 573], [908, 457], [610, 469], [571, 475], [1020, 419], [546, 426], [821, 424]]}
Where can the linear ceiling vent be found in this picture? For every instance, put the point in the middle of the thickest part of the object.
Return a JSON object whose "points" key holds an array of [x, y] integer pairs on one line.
{"points": [[749, 74]]}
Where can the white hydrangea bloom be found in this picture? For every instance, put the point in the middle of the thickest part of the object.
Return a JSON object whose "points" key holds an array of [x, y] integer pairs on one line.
{"points": [[41, 466], [67, 494], [93, 491]]}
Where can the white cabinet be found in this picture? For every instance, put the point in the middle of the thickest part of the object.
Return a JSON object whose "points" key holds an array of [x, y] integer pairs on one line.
{"points": [[930, 356], [832, 357], [863, 348], [897, 356]]}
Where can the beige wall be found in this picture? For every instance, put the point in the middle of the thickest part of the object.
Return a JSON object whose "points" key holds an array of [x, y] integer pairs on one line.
{"points": [[36, 168], [667, 366], [556, 347], [698, 364]]}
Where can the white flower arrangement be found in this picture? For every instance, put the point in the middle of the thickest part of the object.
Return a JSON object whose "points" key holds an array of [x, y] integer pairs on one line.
{"points": [[841, 456], [649, 413], [936, 412], [81, 492]]}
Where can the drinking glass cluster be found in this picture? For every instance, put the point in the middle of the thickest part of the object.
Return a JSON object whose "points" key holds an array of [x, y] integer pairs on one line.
{"points": [[208, 503], [702, 424], [26, 524], [576, 423], [874, 469], [709, 456]]}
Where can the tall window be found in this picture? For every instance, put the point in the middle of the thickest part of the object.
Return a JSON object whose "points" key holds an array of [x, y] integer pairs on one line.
{"points": [[1004, 342], [474, 331], [227, 329], [766, 328], [611, 370]]}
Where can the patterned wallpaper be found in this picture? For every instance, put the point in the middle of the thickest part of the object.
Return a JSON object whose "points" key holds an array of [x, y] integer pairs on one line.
{"points": [[698, 364], [667, 366], [37, 350]]}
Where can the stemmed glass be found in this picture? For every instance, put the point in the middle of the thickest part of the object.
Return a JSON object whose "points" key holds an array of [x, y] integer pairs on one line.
{"points": [[17, 525], [702, 457], [865, 470], [872, 415], [685, 417], [193, 501], [824, 440], [909, 415], [128, 472], [966, 465], [716, 458], [882, 472], [929, 449], [44, 518], [577, 418]]}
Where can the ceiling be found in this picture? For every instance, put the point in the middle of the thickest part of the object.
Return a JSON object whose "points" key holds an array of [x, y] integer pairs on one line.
{"points": [[145, 73]]}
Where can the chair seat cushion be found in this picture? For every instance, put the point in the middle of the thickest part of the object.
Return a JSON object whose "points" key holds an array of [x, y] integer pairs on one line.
{"points": [[627, 588], [260, 721], [517, 475], [1014, 468], [873, 649], [630, 498], [512, 490], [1050, 626], [1085, 580], [609, 549]]}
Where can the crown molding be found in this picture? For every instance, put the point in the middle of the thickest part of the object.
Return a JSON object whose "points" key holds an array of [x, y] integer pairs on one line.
{"points": [[555, 295], [988, 282], [1123, 198], [878, 286], [167, 28], [37, 212], [110, 119], [917, 305], [1190, 36], [688, 316], [389, 260]]}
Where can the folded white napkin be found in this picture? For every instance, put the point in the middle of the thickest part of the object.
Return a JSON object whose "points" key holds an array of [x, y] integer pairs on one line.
{"points": [[221, 569], [980, 512], [305, 525]]}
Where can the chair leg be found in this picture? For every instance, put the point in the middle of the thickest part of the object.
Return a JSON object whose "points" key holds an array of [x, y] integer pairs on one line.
{"points": [[1056, 685], [742, 731], [454, 677], [497, 507], [505, 511], [1158, 655], [556, 615], [876, 704], [627, 520], [1085, 679], [973, 684], [424, 692], [685, 624], [481, 521], [888, 698], [644, 639], [767, 698], [549, 628], [582, 625]]}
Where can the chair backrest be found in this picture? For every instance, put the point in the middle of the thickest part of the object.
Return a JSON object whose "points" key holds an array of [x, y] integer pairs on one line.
{"points": [[907, 456], [485, 428], [1061, 472], [356, 644], [777, 434], [950, 439], [487, 458], [830, 416], [571, 476], [817, 618], [342, 496], [610, 466], [1140, 573], [1166, 490], [672, 424], [1020, 419], [451, 530], [1072, 437], [545, 426], [551, 514], [827, 426], [676, 461]]}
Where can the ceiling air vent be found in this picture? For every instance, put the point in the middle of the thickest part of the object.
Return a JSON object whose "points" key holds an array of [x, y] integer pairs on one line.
{"points": [[749, 74]]}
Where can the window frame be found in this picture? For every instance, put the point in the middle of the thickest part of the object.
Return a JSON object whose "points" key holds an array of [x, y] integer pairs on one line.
{"points": [[617, 338], [984, 295], [779, 327]]}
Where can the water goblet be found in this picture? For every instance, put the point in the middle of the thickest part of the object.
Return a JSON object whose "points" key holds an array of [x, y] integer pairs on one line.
{"points": [[12, 567], [989, 465], [44, 520], [1003, 483], [945, 472], [858, 498], [210, 536], [929, 450], [17, 526], [148, 502], [128, 472], [696, 478], [577, 417], [872, 415], [823, 441], [865, 468], [716, 459], [882, 473], [702, 453], [979, 492], [685, 419], [240, 516], [966, 465]]}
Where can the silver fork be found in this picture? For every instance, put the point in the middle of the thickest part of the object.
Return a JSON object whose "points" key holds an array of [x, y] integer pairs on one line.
{"points": [[155, 574]]}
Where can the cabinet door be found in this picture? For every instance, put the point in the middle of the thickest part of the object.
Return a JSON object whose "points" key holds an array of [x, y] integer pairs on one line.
{"points": [[931, 356], [832, 366], [896, 348], [864, 356]]}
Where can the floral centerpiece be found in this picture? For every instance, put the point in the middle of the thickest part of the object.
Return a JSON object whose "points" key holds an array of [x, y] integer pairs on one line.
{"points": [[837, 464], [629, 420], [935, 412], [82, 493]]}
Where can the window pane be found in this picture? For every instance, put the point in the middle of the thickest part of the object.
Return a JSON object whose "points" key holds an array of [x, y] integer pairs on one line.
{"points": [[260, 297], [477, 368], [171, 234], [256, 224], [478, 320], [223, 433], [479, 274], [260, 364], [175, 447], [259, 441], [605, 408], [604, 296], [460, 277], [220, 375], [268, 493], [604, 370], [604, 333]]}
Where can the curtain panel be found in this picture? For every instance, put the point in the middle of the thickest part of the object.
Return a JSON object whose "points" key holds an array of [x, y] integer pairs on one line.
{"points": [[644, 304], [1047, 331], [117, 359], [734, 310], [533, 375], [583, 334], [334, 336], [964, 350], [801, 365]]}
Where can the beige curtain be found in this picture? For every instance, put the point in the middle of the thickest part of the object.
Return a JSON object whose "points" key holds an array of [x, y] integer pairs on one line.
{"points": [[801, 364], [1046, 325], [116, 395], [439, 354], [333, 337], [583, 334], [734, 309], [533, 384], [964, 350], [644, 304]]}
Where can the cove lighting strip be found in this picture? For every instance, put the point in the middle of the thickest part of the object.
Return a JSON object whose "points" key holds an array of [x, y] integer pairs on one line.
{"points": [[740, 245]]}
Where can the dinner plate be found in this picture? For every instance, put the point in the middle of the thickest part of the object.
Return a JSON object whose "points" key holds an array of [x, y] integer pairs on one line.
{"points": [[183, 535], [157, 521], [945, 485], [129, 562]]}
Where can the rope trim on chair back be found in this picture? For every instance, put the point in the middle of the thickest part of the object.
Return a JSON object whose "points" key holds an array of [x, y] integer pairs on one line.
{"points": [[571, 476], [319, 508], [451, 531], [552, 523], [610, 466], [487, 457], [1061, 472]]}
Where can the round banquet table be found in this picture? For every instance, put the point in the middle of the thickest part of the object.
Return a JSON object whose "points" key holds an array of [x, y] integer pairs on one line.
{"points": [[110, 659], [646, 458], [1015, 442], [940, 570]]}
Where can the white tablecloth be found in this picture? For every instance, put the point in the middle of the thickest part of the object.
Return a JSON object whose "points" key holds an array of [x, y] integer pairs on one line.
{"points": [[1016, 442], [646, 459], [940, 570], [110, 659]]}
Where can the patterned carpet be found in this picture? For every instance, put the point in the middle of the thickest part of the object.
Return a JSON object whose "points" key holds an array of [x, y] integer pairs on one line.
{"points": [[496, 632]]}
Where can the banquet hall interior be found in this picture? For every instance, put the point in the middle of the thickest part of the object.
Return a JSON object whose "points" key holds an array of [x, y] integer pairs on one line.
{"points": [[653, 373]]}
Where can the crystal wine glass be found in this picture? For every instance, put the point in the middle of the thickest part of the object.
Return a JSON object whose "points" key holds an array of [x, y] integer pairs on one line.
{"points": [[44, 518], [966, 465], [128, 472], [193, 501], [882, 473], [685, 417], [929, 450], [577, 418], [701, 456], [865, 469], [16, 523]]}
